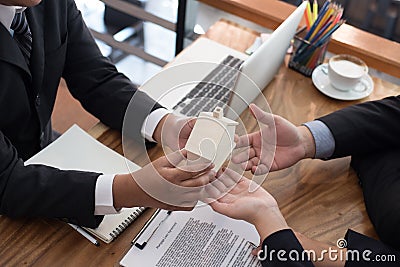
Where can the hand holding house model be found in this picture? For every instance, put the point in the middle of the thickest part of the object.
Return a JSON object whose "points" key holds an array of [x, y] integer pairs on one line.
{"points": [[212, 138]]}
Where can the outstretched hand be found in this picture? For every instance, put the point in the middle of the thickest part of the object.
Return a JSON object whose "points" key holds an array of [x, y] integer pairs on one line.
{"points": [[245, 200], [277, 145], [249, 202]]}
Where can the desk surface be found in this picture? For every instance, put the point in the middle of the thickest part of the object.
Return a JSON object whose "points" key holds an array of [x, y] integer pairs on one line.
{"points": [[320, 199]]}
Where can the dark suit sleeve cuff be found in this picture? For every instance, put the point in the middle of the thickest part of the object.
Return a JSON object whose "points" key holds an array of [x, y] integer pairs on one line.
{"points": [[82, 205], [283, 249], [365, 251]]}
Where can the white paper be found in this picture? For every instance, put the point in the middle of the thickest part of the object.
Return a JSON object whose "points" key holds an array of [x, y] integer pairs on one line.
{"points": [[200, 237], [77, 150]]}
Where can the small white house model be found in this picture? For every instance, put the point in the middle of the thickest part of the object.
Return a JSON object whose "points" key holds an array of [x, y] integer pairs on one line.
{"points": [[212, 139]]}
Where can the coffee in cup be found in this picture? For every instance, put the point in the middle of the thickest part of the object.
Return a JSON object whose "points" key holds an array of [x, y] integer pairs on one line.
{"points": [[345, 72]]}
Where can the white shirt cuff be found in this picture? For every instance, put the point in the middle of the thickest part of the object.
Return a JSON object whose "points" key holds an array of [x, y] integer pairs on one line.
{"points": [[103, 200], [151, 122]]}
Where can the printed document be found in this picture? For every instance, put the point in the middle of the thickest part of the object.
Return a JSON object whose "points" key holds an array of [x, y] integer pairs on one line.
{"points": [[200, 237]]}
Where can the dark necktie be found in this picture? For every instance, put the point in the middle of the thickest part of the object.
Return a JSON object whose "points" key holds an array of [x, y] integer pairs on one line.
{"points": [[22, 34]]}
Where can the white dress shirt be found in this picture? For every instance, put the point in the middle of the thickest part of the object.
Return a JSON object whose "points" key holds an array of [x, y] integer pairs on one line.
{"points": [[104, 203], [7, 14]]}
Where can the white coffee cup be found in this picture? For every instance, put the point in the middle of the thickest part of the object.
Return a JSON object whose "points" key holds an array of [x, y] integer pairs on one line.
{"points": [[345, 73]]}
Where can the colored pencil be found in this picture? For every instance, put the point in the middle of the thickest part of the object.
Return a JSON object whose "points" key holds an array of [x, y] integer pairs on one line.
{"points": [[328, 34], [320, 28], [328, 13], [321, 32], [321, 14], [308, 23], [315, 10], [309, 16]]}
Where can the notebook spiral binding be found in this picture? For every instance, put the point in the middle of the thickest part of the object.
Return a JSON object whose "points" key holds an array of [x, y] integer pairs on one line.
{"points": [[120, 228]]}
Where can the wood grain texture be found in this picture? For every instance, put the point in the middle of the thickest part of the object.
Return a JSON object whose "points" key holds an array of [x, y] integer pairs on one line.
{"points": [[376, 51], [53, 243], [320, 199]]}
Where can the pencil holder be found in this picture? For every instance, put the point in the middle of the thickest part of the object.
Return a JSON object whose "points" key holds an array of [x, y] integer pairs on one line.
{"points": [[306, 56]]}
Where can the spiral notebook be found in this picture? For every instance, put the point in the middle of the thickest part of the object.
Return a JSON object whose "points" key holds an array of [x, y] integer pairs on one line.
{"points": [[77, 150], [113, 225]]}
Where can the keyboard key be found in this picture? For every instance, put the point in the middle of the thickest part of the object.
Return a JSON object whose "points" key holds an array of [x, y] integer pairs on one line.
{"points": [[221, 104], [225, 99], [214, 90], [227, 59]]}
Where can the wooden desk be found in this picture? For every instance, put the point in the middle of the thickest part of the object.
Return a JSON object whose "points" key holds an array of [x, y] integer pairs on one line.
{"points": [[376, 51], [319, 199]]}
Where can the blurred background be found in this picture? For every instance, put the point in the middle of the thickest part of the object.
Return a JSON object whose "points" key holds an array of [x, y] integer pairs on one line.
{"points": [[153, 39], [149, 33], [376, 16]]}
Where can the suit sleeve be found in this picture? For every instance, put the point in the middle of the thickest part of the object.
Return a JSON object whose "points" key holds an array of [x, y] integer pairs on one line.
{"points": [[41, 191], [370, 126], [96, 83], [283, 249], [365, 251], [361, 251]]}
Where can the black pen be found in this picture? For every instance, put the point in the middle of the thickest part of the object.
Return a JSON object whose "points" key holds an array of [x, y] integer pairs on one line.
{"points": [[85, 234], [141, 246]]}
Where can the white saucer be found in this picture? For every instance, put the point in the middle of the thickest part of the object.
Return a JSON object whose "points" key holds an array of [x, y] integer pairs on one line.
{"points": [[321, 81]]}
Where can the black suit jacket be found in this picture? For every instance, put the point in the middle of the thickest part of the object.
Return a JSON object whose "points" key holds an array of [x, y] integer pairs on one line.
{"points": [[366, 128], [295, 256], [62, 47]]}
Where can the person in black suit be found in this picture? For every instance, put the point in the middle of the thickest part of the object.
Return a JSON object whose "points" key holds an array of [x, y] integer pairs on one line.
{"points": [[368, 132], [42, 41]]}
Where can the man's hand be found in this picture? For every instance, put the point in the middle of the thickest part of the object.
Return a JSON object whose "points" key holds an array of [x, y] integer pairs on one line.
{"points": [[277, 145], [174, 131], [249, 202], [166, 183]]}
